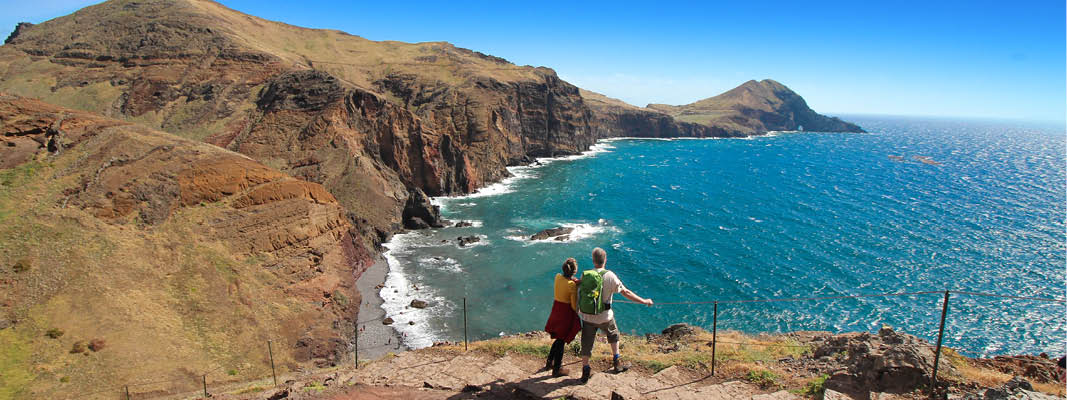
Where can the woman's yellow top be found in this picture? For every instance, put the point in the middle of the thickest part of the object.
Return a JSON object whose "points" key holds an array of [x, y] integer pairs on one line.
{"points": [[566, 291]]}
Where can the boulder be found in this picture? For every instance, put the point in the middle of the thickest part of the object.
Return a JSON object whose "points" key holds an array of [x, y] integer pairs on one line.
{"points": [[889, 362], [1018, 388], [418, 207], [463, 224], [679, 330], [419, 303], [552, 232], [415, 223], [465, 240], [387, 321]]}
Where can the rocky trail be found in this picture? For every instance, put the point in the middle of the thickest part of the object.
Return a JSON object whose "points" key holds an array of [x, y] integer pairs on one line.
{"points": [[447, 375]]}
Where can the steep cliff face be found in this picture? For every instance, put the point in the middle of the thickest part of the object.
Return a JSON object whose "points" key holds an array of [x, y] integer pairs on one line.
{"points": [[615, 118], [178, 256], [372, 121]]}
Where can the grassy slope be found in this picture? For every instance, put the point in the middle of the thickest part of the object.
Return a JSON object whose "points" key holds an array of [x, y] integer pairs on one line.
{"points": [[159, 297], [169, 302]]}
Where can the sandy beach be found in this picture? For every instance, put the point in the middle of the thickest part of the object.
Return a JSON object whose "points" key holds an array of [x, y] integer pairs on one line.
{"points": [[375, 339]]}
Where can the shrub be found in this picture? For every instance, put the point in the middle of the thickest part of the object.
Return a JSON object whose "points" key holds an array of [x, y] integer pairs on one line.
{"points": [[816, 387], [22, 265], [762, 378], [77, 347], [97, 345], [54, 333], [232, 372]]}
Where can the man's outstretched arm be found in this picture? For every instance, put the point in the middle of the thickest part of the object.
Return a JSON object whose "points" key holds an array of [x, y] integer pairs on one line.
{"points": [[633, 296]]}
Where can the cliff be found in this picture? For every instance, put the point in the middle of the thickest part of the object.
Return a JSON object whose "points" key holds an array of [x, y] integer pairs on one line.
{"points": [[615, 118], [128, 252], [371, 121], [757, 107]]}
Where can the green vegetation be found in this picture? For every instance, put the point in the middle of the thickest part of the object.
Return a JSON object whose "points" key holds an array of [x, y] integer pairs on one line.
{"points": [[501, 347], [20, 175], [763, 378], [15, 371], [54, 333], [816, 387]]}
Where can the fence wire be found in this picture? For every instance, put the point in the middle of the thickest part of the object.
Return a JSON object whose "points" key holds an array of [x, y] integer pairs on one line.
{"points": [[399, 342]]}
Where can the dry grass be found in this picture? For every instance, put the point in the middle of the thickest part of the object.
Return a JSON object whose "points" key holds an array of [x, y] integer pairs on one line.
{"points": [[141, 304]]}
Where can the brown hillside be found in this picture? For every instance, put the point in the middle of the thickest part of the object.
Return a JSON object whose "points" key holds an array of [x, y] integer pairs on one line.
{"points": [[171, 258], [369, 120], [757, 107]]}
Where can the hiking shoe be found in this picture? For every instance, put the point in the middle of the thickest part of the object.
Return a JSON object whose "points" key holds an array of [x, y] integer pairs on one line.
{"points": [[560, 372], [586, 371], [618, 367]]}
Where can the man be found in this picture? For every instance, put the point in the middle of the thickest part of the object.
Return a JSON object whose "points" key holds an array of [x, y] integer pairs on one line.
{"points": [[603, 320]]}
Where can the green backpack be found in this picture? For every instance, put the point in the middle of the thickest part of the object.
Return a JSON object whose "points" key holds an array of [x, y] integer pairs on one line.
{"points": [[589, 291]]}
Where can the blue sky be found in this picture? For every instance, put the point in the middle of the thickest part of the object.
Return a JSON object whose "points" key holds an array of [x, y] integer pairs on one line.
{"points": [[942, 58]]}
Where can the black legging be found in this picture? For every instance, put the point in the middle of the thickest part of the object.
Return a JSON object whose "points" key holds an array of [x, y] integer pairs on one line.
{"points": [[555, 355]]}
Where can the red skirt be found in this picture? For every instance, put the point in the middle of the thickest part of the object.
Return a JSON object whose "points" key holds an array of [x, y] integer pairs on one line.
{"points": [[563, 322]]}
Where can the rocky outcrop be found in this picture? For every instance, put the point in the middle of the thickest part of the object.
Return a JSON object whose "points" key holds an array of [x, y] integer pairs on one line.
{"points": [[464, 241], [420, 213], [1017, 388], [18, 30], [552, 233], [889, 362]]}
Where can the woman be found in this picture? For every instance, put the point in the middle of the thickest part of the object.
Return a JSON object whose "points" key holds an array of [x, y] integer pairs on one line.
{"points": [[563, 324]]}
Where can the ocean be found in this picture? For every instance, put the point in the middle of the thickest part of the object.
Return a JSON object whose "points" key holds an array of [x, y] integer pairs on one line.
{"points": [[916, 205]]}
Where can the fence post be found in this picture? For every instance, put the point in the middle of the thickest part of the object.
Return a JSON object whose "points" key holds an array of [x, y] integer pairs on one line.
{"points": [[355, 348], [127, 392], [714, 334], [940, 335], [273, 373], [205, 387], [465, 324]]}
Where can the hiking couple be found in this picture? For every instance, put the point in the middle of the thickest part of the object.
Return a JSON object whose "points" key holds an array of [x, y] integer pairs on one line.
{"points": [[585, 305]]}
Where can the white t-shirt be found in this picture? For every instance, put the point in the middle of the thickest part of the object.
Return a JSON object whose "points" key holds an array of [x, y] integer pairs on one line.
{"points": [[612, 285]]}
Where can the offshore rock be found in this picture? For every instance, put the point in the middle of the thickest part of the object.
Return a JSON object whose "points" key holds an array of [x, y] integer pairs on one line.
{"points": [[552, 233], [420, 213], [466, 240]]}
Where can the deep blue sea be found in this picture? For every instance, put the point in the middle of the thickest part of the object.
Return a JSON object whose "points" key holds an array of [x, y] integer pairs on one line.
{"points": [[780, 216]]}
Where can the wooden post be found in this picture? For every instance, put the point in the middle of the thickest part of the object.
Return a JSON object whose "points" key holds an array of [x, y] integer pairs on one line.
{"points": [[205, 387], [940, 335], [273, 373], [714, 334], [127, 392], [465, 345], [355, 348]]}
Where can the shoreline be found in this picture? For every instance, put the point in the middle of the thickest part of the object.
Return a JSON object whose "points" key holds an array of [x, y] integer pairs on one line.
{"points": [[375, 339]]}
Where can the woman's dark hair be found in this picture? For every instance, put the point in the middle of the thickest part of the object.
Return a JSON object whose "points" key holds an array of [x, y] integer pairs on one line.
{"points": [[570, 267]]}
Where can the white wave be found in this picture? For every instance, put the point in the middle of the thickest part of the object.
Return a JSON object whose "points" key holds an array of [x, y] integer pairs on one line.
{"points": [[448, 264], [398, 292], [519, 173]]}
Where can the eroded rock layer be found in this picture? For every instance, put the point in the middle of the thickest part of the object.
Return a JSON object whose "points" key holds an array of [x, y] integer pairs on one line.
{"points": [[177, 254]]}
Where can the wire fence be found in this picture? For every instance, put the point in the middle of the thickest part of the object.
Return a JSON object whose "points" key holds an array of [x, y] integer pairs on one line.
{"points": [[940, 333], [202, 380]]}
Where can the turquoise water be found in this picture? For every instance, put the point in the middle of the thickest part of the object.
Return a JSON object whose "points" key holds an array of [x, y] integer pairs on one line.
{"points": [[790, 215]]}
